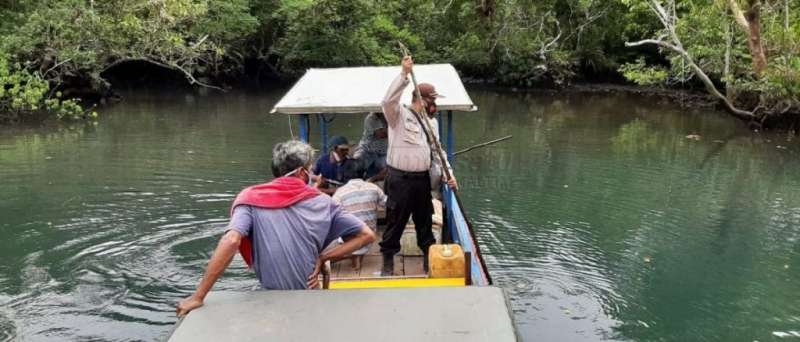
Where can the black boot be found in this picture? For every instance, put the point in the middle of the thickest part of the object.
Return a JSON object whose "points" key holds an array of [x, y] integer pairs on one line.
{"points": [[388, 265], [425, 262]]}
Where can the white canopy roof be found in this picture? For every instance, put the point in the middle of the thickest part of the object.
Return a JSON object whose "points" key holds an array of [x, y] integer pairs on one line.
{"points": [[361, 89]]}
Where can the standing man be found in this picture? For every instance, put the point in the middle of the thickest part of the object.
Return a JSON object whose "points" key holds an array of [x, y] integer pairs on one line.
{"points": [[281, 228], [372, 147], [408, 183]]}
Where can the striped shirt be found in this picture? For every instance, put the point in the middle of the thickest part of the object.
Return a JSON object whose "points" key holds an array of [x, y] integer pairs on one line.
{"points": [[361, 199]]}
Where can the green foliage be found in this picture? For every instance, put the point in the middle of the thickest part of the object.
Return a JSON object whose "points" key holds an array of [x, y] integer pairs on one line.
{"points": [[24, 94], [518, 42], [719, 46], [521, 42], [60, 44], [642, 74], [779, 86], [72, 42], [330, 33]]}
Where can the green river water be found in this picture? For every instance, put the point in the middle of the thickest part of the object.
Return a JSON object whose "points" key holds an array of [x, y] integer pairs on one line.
{"points": [[600, 218]]}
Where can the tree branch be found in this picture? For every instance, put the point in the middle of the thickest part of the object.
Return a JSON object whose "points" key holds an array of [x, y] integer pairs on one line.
{"points": [[199, 42], [739, 15], [742, 114], [189, 77], [545, 48], [56, 66], [655, 42]]}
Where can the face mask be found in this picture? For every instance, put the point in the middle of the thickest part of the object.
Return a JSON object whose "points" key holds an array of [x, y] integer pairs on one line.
{"points": [[430, 107], [307, 171], [308, 177], [338, 158]]}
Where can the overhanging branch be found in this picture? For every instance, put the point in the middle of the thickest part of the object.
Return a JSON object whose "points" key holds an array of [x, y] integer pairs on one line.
{"points": [[168, 65], [742, 114], [674, 45]]}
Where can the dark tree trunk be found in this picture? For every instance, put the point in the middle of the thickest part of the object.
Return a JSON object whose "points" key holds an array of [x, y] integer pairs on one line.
{"points": [[487, 8], [753, 16]]}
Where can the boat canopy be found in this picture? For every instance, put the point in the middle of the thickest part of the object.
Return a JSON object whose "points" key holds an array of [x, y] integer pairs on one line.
{"points": [[361, 90]]}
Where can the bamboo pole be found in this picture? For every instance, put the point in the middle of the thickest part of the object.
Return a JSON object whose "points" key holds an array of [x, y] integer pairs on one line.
{"points": [[483, 144]]}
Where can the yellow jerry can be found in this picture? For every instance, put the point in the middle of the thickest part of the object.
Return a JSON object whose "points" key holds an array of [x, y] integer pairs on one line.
{"points": [[446, 261]]}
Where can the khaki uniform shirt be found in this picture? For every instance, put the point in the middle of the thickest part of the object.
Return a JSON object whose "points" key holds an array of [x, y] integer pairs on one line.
{"points": [[408, 147]]}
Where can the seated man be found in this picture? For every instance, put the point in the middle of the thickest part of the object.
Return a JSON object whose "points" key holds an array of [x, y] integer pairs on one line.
{"points": [[281, 228], [329, 166], [361, 199], [372, 147]]}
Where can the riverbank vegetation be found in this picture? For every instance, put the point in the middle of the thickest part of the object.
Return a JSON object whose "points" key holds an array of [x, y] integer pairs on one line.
{"points": [[60, 56]]}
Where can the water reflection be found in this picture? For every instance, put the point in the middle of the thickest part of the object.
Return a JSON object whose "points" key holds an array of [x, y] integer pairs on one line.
{"points": [[600, 217], [614, 209]]}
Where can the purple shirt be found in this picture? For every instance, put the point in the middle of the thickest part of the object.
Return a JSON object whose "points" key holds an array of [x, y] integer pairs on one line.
{"points": [[287, 242]]}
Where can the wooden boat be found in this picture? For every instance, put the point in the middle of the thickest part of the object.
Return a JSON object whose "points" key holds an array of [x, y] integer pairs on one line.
{"points": [[361, 305]]}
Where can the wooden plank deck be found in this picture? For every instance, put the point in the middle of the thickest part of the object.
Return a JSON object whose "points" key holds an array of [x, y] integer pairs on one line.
{"points": [[409, 265], [372, 263]]}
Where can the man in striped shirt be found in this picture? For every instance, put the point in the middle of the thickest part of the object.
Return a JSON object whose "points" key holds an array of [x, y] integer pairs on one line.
{"points": [[361, 199]]}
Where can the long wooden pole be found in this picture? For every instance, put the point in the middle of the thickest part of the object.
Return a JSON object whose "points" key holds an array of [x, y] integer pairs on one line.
{"points": [[483, 144]]}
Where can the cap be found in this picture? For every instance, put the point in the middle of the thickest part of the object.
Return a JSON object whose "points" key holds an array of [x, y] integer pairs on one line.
{"points": [[336, 141], [428, 90]]}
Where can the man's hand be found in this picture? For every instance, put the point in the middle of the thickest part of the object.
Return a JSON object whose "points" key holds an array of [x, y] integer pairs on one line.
{"points": [[365, 237], [226, 249], [313, 279], [452, 183], [407, 65], [319, 183], [190, 303], [379, 176]]}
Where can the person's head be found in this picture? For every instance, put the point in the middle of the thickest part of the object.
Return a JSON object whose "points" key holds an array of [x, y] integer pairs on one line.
{"points": [[292, 158], [429, 96], [352, 169], [340, 146], [380, 132]]}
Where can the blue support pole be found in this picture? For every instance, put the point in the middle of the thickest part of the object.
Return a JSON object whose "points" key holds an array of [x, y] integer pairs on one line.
{"points": [[450, 138], [451, 223], [441, 127], [304, 121], [323, 132]]}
